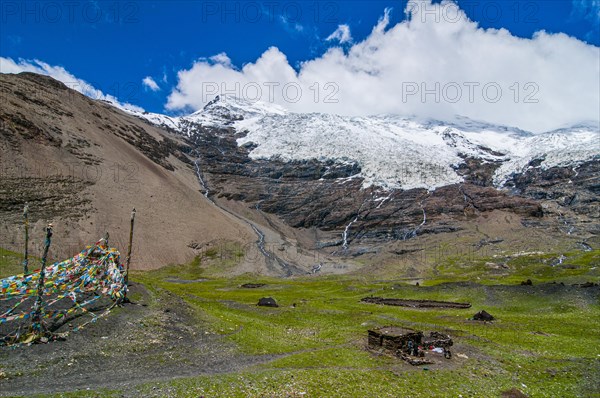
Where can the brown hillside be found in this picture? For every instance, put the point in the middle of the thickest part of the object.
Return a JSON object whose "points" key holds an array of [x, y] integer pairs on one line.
{"points": [[83, 165]]}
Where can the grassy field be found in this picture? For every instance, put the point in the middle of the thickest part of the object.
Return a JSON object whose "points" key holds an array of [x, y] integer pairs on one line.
{"points": [[11, 263], [544, 341]]}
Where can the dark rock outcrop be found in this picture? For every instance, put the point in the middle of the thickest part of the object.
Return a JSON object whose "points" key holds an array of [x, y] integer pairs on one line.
{"points": [[574, 190], [483, 315], [327, 195], [267, 302]]}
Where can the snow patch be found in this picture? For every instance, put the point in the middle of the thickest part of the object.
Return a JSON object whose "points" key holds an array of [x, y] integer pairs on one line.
{"points": [[393, 152]]}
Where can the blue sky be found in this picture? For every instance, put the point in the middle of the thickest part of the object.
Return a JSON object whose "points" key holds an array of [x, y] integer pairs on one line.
{"points": [[114, 45]]}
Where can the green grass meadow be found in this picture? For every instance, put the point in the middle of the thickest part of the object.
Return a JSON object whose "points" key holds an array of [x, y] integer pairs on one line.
{"points": [[544, 341]]}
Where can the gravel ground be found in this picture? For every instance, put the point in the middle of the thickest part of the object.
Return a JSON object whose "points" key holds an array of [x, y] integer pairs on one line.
{"points": [[151, 340]]}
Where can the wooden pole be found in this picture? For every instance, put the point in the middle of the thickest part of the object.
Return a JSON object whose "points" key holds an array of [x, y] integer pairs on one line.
{"points": [[128, 259], [26, 259], [36, 321]]}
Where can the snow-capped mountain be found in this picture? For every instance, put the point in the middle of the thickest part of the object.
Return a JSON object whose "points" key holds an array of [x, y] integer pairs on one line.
{"points": [[393, 152], [307, 185]]}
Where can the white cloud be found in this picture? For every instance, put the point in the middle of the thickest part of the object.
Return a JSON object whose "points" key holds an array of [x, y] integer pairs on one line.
{"points": [[222, 59], [149, 82], [8, 65], [430, 65], [291, 26], [341, 34]]}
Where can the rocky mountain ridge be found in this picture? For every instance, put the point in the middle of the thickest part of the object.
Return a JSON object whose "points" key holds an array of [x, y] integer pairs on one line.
{"points": [[362, 182], [289, 193], [393, 152]]}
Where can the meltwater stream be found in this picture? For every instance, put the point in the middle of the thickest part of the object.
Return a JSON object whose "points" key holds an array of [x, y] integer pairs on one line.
{"points": [[260, 243]]}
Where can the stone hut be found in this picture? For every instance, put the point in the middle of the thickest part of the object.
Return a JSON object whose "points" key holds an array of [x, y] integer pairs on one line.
{"points": [[394, 339]]}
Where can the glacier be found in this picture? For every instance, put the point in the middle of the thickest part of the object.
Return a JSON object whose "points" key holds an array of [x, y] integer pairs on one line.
{"points": [[393, 152]]}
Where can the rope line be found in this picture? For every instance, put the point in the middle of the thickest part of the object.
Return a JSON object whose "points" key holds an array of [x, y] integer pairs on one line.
{"points": [[53, 294]]}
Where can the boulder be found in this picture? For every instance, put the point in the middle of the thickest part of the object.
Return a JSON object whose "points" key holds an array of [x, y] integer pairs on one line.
{"points": [[267, 302], [483, 315]]}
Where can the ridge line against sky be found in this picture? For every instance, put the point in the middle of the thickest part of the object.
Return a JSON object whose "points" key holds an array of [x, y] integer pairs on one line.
{"points": [[430, 60]]}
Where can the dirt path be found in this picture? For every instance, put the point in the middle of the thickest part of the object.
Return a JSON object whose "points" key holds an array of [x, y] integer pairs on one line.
{"points": [[152, 340]]}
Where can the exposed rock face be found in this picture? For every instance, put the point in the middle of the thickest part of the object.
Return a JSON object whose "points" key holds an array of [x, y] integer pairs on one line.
{"points": [[327, 195], [477, 172], [575, 192]]}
